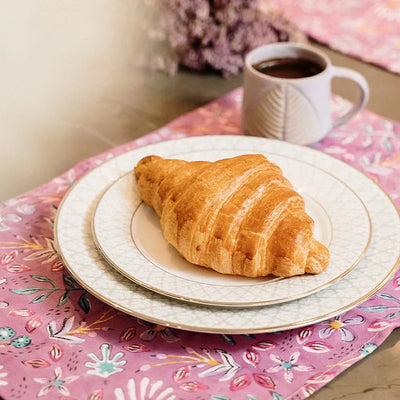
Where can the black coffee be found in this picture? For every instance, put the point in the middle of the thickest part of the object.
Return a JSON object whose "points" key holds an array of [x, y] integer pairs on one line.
{"points": [[289, 68]]}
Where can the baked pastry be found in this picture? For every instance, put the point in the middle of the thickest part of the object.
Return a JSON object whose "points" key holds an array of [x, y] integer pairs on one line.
{"points": [[237, 216]]}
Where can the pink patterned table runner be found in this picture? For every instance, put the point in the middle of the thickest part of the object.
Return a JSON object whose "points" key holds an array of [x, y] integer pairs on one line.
{"points": [[59, 342], [367, 29]]}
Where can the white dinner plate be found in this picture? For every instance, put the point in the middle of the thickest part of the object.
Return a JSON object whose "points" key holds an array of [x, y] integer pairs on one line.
{"points": [[79, 253], [128, 234]]}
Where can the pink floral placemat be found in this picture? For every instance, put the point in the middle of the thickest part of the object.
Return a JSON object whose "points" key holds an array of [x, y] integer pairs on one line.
{"points": [[367, 29], [59, 342]]}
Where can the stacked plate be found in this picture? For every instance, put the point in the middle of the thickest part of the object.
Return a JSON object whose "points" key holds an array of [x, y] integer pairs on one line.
{"points": [[112, 244]]}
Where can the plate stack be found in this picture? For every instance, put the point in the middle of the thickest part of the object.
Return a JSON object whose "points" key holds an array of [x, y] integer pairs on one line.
{"points": [[112, 244]]}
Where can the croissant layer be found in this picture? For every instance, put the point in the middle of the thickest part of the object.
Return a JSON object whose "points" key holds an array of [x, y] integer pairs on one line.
{"points": [[236, 216]]}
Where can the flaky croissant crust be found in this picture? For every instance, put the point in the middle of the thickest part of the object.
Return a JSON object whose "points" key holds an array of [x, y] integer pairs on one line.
{"points": [[237, 216]]}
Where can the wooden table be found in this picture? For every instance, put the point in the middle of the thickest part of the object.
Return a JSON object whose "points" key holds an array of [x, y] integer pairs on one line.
{"points": [[119, 104]]}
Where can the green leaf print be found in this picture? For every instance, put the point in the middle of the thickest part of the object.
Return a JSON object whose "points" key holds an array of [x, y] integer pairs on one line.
{"points": [[84, 303], [47, 291], [40, 298], [29, 290], [43, 279], [63, 299]]}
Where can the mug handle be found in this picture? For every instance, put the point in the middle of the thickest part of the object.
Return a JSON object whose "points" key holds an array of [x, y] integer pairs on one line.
{"points": [[347, 73]]}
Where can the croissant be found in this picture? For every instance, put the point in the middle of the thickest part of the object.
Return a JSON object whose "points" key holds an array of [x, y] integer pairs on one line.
{"points": [[237, 216]]}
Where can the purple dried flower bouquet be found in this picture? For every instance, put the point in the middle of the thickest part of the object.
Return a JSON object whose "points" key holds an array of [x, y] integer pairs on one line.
{"points": [[214, 34]]}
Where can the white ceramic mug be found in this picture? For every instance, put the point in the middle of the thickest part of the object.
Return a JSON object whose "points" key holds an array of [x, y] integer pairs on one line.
{"points": [[295, 110]]}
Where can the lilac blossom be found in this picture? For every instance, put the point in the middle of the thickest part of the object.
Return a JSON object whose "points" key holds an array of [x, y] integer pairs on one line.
{"points": [[340, 324]]}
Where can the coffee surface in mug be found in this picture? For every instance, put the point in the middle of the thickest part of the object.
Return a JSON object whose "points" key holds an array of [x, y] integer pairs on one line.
{"points": [[289, 68]]}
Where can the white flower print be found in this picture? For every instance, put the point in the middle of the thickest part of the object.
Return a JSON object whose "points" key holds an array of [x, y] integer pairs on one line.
{"points": [[288, 366], [145, 390], [27, 209], [57, 382]]}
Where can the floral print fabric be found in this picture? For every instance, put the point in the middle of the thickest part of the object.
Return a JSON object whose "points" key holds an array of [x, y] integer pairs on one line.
{"points": [[368, 29], [57, 341]]}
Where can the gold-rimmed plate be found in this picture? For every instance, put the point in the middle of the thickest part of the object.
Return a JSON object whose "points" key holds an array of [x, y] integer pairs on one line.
{"points": [[129, 236], [76, 247]]}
